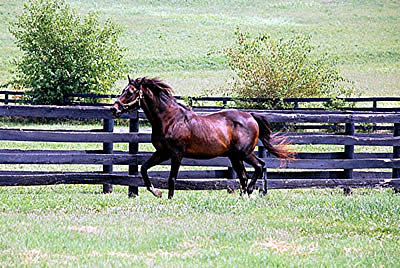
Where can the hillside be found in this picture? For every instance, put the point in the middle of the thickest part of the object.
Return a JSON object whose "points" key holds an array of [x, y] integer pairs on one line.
{"points": [[175, 39]]}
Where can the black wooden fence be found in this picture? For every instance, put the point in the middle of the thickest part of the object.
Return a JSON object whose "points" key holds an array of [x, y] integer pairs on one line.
{"points": [[342, 165], [365, 104]]}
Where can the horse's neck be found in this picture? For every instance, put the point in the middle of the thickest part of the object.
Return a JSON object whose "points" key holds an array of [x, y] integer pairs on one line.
{"points": [[162, 113]]}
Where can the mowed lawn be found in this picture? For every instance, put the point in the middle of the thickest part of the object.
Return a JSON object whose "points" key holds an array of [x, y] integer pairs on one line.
{"points": [[76, 225], [177, 40]]}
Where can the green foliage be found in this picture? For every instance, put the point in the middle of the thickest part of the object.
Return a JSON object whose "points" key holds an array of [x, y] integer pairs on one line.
{"points": [[64, 53], [277, 68]]}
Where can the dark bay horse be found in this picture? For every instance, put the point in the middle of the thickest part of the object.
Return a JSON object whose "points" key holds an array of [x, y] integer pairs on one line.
{"points": [[179, 132]]}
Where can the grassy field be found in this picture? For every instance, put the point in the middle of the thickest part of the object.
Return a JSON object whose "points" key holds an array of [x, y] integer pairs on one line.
{"points": [[71, 226], [176, 39]]}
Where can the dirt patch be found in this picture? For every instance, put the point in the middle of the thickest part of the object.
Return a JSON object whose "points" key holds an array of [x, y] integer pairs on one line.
{"points": [[36, 256], [352, 251], [189, 249], [123, 255], [279, 246], [33, 256], [84, 229]]}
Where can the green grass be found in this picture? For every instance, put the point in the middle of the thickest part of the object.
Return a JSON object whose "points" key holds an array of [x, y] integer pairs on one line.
{"points": [[176, 39], [75, 225]]}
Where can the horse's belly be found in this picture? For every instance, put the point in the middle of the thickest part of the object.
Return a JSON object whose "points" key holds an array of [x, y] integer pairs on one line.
{"points": [[206, 150], [201, 155]]}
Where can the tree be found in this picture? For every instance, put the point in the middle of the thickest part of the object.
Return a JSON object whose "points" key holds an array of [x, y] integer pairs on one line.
{"points": [[64, 52], [264, 67]]}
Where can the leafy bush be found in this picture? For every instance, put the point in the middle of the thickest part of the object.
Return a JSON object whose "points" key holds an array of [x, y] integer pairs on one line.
{"points": [[64, 53], [276, 68]]}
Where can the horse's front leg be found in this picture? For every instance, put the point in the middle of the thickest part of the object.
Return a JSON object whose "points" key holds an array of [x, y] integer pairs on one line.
{"points": [[156, 158], [175, 164]]}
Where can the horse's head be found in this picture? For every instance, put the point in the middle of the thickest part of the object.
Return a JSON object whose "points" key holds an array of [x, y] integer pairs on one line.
{"points": [[130, 98]]}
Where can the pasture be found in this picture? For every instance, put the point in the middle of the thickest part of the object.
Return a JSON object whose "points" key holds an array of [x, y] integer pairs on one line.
{"points": [[77, 225], [176, 40]]}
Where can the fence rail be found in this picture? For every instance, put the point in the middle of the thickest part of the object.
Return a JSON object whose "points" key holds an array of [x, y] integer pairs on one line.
{"points": [[338, 163], [374, 104]]}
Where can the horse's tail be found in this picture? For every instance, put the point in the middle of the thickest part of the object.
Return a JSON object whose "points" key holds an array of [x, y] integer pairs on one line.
{"points": [[267, 138]]}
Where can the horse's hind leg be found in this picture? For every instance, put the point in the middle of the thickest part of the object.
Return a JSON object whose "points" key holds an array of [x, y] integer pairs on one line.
{"points": [[258, 165], [156, 158], [238, 166], [265, 186]]}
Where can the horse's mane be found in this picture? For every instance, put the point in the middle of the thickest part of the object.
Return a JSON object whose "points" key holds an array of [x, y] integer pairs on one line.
{"points": [[156, 85]]}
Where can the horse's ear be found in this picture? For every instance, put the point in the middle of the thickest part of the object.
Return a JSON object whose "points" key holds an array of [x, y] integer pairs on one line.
{"points": [[129, 78], [139, 81]]}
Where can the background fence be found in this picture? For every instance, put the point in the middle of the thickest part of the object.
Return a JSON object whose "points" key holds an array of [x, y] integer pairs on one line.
{"points": [[372, 104], [345, 156]]}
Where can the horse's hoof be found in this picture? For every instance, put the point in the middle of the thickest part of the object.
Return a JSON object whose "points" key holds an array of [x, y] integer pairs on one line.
{"points": [[253, 197], [230, 190], [262, 192], [157, 193]]}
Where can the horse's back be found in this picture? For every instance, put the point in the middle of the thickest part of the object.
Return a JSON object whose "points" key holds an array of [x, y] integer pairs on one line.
{"points": [[222, 132], [235, 118]]}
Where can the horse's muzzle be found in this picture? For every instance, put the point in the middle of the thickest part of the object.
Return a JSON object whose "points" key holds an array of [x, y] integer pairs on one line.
{"points": [[115, 110]]}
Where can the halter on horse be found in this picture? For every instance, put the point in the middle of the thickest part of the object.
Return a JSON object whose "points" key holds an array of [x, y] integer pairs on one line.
{"points": [[179, 132]]}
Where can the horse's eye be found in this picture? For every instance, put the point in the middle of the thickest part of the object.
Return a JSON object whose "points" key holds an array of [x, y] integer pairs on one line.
{"points": [[129, 92]]}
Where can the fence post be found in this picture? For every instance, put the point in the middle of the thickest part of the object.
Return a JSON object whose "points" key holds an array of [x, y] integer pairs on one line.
{"points": [[224, 103], [133, 149], [396, 154], [262, 153], [108, 126], [374, 104], [348, 154], [6, 98]]}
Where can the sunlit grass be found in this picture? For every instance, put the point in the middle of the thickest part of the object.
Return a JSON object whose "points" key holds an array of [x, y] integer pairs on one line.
{"points": [[176, 40], [76, 225]]}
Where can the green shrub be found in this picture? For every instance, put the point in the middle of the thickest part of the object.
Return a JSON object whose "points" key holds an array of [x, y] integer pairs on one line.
{"points": [[64, 53], [264, 67]]}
